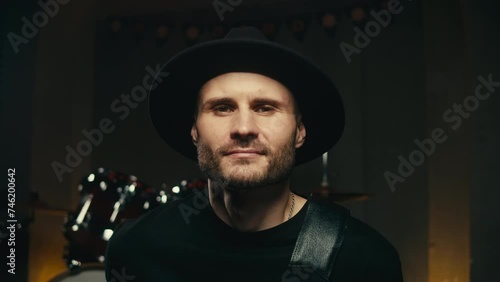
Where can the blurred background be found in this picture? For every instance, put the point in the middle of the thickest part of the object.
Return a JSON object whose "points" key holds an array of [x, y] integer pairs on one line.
{"points": [[418, 160]]}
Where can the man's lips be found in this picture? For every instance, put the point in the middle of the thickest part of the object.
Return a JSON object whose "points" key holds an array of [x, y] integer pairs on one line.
{"points": [[244, 153]]}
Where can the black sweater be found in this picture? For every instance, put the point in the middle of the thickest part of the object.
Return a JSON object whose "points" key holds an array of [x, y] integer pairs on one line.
{"points": [[186, 241]]}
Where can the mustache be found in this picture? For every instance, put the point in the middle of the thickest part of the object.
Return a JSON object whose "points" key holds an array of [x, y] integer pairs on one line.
{"points": [[239, 144]]}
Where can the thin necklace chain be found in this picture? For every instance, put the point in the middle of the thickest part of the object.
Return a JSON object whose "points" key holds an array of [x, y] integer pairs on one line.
{"points": [[293, 205]]}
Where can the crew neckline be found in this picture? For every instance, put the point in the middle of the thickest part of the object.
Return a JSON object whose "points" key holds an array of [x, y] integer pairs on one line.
{"points": [[274, 235]]}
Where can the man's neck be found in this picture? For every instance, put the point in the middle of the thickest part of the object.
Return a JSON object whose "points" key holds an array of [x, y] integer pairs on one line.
{"points": [[254, 209]]}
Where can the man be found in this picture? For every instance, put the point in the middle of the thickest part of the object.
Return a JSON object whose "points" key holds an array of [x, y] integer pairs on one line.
{"points": [[248, 110]]}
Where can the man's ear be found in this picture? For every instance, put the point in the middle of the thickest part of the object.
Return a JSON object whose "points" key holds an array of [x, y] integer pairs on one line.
{"points": [[194, 134], [300, 137]]}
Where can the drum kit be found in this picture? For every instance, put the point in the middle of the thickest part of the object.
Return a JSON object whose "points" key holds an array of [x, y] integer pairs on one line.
{"points": [[108, 197]]}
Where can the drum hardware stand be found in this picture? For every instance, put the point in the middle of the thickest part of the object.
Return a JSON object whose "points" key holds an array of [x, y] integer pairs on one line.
{"points": [[326, 194]]}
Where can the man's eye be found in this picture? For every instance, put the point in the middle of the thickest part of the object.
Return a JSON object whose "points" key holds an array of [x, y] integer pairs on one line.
{"points": [[222, 108], [264, 108]]}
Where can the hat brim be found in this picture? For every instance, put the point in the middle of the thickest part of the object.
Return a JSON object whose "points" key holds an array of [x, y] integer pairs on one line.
{"points": [[172, 102]]}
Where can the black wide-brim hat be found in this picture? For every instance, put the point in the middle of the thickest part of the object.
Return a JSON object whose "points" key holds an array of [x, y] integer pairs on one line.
{"points": [[172, 103]]}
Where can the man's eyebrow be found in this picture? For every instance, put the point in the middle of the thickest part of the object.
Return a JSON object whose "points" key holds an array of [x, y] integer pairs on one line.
{"points": [[217, 100], [260, 101], [226, 100]]}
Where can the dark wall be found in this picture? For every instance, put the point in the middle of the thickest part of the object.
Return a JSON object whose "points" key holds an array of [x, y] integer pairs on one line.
{"points": [[393, 111], [482, 45], [17, 71]]}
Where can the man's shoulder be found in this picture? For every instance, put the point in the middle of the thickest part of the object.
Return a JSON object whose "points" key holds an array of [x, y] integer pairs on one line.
{"points": [[365, 254], [159, 228], [357, 232], [156, 220], [363, 235], [367, 250], [355, 228]]}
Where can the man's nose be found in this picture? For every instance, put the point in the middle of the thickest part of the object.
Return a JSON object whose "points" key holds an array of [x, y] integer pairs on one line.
{"points": [[244, 126]]}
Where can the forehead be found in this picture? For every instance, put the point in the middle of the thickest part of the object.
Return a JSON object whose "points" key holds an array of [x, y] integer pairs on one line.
{"points": [[244, 85]]}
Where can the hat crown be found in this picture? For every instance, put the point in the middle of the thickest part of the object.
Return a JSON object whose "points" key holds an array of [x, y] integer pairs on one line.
{"points": [[247, 32]]}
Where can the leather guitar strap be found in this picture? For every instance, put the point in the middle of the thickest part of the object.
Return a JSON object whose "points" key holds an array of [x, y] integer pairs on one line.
{"points": [[318, 243]]}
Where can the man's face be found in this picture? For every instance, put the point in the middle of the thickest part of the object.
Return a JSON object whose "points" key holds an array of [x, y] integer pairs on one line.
{"points": [[246, 130]]}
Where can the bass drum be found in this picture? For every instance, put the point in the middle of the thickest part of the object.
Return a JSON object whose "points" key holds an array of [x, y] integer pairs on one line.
{"points": [[107, 198], [85, 273]]}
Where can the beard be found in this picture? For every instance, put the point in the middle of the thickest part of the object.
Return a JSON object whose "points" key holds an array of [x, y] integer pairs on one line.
{"points": [[241, 174]]}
